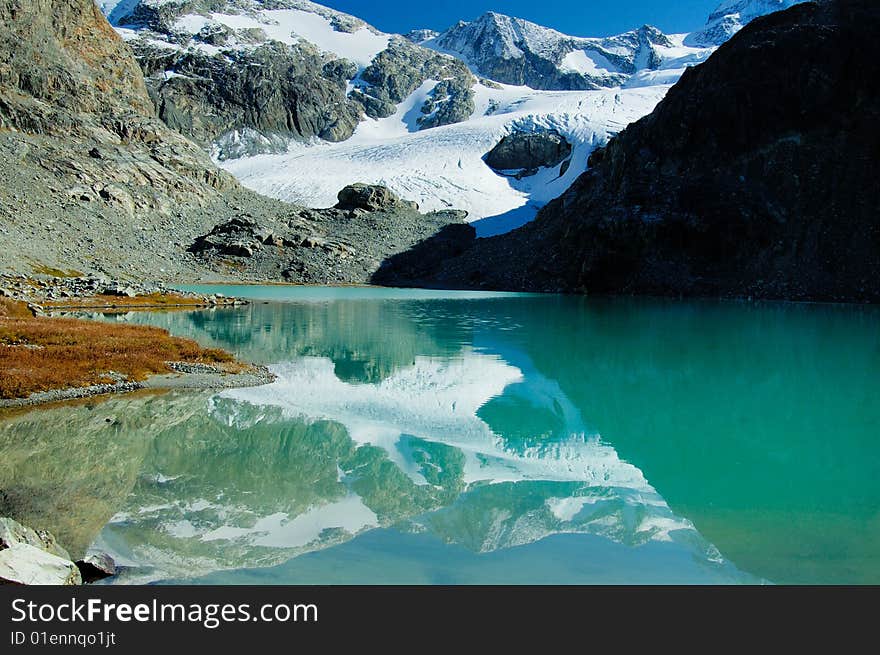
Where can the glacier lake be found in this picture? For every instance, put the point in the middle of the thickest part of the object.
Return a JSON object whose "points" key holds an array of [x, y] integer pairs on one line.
{"points": [[432, 437]]}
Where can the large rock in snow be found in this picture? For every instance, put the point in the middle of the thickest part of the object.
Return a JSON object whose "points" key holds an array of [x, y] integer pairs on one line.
{"points": [[526, 152]]}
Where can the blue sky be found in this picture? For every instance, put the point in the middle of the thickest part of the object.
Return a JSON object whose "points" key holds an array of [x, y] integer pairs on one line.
{"points": [[576, 17]]}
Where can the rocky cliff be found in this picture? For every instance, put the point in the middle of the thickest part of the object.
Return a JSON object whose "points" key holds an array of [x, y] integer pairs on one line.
{"points": [[754, 177], [95, 182], [91, 176]]}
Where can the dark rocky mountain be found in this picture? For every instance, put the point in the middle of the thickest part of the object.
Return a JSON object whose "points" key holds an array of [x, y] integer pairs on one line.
{"points": [[754, 177]]}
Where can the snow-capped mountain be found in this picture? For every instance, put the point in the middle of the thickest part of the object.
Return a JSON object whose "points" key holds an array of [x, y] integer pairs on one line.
{"points": [[731, 16], [247, 76], [298, 100], [516, 51]]}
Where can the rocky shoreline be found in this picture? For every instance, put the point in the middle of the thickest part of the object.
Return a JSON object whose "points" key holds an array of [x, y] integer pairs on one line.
{"points": [[57, 290]]}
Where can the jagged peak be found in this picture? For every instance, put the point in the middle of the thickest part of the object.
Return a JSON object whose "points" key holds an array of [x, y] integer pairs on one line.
{"points": [[731, 16], [750, 9]]}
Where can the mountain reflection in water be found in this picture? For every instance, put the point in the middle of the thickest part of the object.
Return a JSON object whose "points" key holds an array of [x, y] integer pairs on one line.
{"points": [[509, 438]]}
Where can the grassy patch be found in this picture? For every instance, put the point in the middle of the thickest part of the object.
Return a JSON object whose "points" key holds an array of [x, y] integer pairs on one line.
{"points": [[42, 269], [41, 354], [152, 300], [13, 309]]}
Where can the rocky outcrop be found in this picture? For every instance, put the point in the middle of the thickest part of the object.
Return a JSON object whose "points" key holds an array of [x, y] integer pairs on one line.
{"points": [[28, 557], [238, 237], [521, 154], [260, 94], [92, 178], [754, 177], [399, 70], [344, 244]]}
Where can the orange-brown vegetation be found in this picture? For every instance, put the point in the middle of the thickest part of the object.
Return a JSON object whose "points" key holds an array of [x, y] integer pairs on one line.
{"points": [[152, 301], [41, 354]]}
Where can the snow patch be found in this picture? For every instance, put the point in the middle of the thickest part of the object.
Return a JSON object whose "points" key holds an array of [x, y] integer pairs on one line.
{"points": [[280, 531], [404, 121], [587, 63]]}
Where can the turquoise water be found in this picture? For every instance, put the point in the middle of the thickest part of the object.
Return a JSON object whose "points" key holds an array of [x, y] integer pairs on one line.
{"points": [[436, 437]]}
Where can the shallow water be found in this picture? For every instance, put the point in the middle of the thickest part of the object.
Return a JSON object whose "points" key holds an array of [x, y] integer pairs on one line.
{"points": [[436, 437]]}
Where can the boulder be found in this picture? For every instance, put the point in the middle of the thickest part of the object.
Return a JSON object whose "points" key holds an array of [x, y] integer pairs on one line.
{"points": [[31, 557], [117, 289], [24, 564], [96, 566], [371, 197]]}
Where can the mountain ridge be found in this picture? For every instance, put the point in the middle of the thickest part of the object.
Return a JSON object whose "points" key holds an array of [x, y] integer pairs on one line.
{"points": [[519, 52]]}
